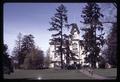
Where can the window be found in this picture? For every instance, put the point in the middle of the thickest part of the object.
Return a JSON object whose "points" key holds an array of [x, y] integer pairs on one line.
{"points": [[74, 46]]}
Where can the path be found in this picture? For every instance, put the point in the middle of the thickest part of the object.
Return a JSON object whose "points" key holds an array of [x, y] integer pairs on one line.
{"points": [[94, 75]]}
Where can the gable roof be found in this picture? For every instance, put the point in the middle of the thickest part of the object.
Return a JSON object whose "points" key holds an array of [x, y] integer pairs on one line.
{"points": [[74, 26]]}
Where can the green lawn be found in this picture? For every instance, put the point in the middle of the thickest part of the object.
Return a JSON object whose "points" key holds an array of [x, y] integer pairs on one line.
{"points": [[47, 74], [58, 74], [110, 73]]}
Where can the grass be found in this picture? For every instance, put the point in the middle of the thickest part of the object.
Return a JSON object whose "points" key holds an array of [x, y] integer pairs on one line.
{"points": [[58, 74], [47, 74]]}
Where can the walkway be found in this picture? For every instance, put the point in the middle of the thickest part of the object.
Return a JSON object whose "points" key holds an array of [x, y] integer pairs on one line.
{"points": [[94, 75]]}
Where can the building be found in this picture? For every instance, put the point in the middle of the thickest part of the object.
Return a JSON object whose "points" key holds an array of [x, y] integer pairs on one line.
{"points": [[75, 45]]}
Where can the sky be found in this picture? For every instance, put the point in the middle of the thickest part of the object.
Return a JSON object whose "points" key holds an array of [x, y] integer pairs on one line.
{"points": [[34, 18]]}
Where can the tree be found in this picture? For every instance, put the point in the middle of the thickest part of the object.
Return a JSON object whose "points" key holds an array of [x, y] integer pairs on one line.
{"points": [[102, 62], [69, 54], [58, 23], [47, 59], [66, 50], [26, 47], [7, 62], [111, 41], [27, 62], [34, 60], [38, 58], [17, 50], [111, 50], [27, 54], [93, 40]]}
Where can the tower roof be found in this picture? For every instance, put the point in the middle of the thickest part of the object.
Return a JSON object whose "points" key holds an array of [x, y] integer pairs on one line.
{"points": [[74, 26]]}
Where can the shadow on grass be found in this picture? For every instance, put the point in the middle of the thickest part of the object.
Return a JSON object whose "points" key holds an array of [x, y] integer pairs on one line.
{"points": [[112, 77]]}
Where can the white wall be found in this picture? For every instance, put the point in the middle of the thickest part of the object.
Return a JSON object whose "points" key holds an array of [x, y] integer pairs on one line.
{"points": [[79, 49]]}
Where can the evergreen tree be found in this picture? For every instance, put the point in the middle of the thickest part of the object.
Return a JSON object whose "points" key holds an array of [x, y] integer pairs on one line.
{"points": [[66, 50], [58, 23], [93, 37], [7, 62], [68, 54]]}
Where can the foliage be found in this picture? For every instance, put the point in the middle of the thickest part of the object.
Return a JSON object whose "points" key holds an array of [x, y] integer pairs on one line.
{"points": [[27, 54], [58, 23], [92, 40], [47, 59], [111, 51], [7, 63], [26, 47], [69, 54], [34, 60], [17, 50]]}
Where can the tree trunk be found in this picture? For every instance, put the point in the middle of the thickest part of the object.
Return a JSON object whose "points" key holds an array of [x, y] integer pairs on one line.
{"points": [[61, 44]]}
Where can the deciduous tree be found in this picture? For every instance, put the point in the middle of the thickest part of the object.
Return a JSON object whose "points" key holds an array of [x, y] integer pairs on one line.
{"points": [[17, 50], [111, 51]]}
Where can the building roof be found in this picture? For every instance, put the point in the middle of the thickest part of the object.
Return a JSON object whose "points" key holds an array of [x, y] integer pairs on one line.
{"points": [[74, 26], [81, 42], [54, 41]]}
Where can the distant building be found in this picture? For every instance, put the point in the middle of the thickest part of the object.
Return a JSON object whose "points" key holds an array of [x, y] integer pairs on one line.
{"points": [[75, 45]]}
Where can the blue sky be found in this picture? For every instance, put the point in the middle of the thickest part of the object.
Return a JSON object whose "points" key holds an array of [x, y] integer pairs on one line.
{"points": [[34, 18]]}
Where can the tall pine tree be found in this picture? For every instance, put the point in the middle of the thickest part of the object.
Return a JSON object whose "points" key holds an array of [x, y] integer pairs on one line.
{"points": [[93, 37], [58, 23]]}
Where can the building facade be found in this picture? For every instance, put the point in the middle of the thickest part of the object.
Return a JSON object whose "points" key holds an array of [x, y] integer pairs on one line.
{"points": [[75, 46]]}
